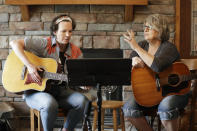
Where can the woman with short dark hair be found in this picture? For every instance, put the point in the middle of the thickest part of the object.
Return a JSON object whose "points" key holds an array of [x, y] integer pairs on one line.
{"points": [[58, 47]]}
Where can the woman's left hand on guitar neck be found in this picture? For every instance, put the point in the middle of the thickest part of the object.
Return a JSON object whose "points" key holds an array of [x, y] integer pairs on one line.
{"points": [[137, 62]]}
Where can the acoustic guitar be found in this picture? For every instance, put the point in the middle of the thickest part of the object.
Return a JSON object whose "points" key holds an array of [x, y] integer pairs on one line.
{"points": [[149, 88], [15, 74]]}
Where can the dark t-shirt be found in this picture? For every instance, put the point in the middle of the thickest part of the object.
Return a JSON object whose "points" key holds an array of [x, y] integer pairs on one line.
{"points": [[166, 54]]}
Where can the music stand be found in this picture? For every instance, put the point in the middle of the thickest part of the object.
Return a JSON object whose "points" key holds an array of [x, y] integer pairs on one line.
{"points": [[99, 72]]}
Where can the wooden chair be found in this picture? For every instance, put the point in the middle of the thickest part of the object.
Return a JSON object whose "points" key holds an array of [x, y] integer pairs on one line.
{"points": [[187, 117], [114, 105], [35, 116]]}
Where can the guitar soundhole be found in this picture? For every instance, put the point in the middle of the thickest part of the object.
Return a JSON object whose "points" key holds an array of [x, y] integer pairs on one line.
{"points": [[173, 79], [41, 73]]}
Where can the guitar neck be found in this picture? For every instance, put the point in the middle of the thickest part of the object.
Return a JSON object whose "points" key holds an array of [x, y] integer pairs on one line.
{"points": [[188, 77], [55, 76]]}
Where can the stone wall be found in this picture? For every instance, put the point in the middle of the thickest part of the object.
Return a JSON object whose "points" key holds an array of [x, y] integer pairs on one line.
{"points": [[97, 27]]}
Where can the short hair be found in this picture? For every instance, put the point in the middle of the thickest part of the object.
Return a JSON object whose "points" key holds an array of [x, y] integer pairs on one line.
{"points": [[159, 23], [54, 23]]}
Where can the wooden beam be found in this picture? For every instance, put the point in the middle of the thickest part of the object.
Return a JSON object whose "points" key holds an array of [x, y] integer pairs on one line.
{"points": [[178, 24], [187, 28], [128, 5], [100, 2], [183, 28], [128, 13], [25, 12]]}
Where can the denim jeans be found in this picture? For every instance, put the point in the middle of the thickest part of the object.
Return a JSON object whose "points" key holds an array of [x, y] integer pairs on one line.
{"points": [[48, 104], [168, 108]]}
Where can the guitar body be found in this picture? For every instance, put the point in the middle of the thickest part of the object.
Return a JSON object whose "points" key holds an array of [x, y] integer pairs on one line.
{"points": [[145, 88], [12, 72]]}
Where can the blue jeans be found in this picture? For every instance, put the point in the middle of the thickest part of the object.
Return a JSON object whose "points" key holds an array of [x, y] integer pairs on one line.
{"points": [[168, 108], [48, 105]]}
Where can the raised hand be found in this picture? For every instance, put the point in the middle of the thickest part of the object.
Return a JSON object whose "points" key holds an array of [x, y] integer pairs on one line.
{"points": [[129, 37]]}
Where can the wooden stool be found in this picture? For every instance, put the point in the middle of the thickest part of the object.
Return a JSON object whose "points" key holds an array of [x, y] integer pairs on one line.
{"points": [[114, 105], [36, 114]]}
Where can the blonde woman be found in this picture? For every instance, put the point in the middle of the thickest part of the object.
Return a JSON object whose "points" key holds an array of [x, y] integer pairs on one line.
{"points": [[157, 53]]}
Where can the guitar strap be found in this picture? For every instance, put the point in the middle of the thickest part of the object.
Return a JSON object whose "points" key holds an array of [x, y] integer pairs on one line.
{"points": [[157, 82], [50, 48], [62, 61], [24, 70]]}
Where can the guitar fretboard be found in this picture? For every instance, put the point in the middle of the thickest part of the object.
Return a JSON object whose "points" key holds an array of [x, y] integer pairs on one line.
{"points": [[55, 76], [188, 77]]}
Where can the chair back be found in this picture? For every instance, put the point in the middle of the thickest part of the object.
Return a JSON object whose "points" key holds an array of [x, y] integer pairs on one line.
{"points": [[192, 65]]}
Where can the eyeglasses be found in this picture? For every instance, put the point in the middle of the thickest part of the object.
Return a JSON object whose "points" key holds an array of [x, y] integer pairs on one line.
{"points": [[147, 27]]}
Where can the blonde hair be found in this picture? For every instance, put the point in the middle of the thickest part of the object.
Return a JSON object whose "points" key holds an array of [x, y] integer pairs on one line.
{"points": [[159, 23]]}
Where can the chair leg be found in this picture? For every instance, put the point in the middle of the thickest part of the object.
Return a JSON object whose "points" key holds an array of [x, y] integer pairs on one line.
{"points": [[32, 120], [39, 122], [95, 119], [152, 121], [64, 119], [122, 120], [102, 118], [35, 115], [159, 124], [183, 122], [115, 119]]}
